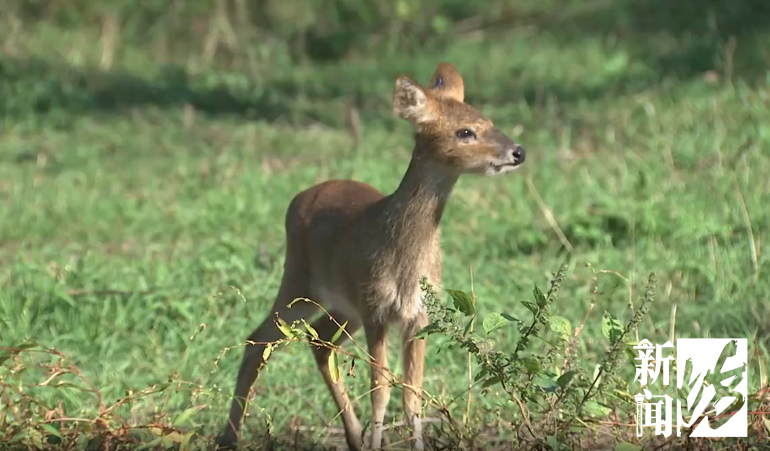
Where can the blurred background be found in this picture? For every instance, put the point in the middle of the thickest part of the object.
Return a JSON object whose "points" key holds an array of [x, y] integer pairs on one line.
{"points": [[271, 58], [148, 151]]}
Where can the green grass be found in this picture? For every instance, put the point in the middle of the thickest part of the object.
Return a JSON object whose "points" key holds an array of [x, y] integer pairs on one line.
{"points": [[141, 238]]}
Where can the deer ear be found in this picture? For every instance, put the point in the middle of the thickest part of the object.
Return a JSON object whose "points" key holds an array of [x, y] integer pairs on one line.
{"points": [[411, 102], [448, 83]]}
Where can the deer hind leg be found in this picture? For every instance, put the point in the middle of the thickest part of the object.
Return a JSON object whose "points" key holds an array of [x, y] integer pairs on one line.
{"points": [[326, 329], [376, 339], [413, 351], [293, 285]]}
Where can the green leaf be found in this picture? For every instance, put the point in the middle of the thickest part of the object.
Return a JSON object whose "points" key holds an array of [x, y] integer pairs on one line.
{"points": [[310, 329], [531, 307], [462, 302], [485, 371], [531, 364], [184, 443], [284, 328], [494, 321], [185, 416], [152, 444], [547, 383], [628, 349], [552, 442], [51, 430], [19, 437], [611, 327], [338, 334], [540, 298], [595, 409], [468, 327], [510, 318], [334, 369], [566, 378], [267, 351], [427, 330], [625, 446], [490, 381], [561, 326]]}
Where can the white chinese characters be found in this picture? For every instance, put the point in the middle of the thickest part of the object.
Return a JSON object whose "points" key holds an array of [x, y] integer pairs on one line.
{"points": [[711, 363]]}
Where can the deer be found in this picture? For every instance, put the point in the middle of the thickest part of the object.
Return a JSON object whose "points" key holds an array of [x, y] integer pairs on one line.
{"points": [[361, 254]]}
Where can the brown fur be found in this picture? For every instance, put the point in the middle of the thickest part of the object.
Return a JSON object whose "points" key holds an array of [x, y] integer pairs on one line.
{"points": [[361, 254]]}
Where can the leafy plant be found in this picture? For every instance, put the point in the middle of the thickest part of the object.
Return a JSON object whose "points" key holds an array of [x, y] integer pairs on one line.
{"points": [[551, 393]]}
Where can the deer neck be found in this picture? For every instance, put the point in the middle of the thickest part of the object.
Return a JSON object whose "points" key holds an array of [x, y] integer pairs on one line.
{"points": [[415, 209]]}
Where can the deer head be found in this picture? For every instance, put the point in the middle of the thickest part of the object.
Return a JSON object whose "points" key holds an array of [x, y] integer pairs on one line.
{"points": [[450, 132]]}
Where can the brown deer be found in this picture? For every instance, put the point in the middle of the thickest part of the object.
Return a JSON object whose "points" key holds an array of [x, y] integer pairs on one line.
{"points": [[361, 254]]}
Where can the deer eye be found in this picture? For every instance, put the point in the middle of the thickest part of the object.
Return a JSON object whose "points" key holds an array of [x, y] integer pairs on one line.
{"points": [[465, 133]]}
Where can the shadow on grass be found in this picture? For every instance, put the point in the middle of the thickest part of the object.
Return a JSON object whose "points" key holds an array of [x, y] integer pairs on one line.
{"points": [[39, 87], [682, 39]]}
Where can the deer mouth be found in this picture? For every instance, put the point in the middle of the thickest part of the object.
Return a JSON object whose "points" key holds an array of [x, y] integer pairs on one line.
{"points": [[502, 168]]}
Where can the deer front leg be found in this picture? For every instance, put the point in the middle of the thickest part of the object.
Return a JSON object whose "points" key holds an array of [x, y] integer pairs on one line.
{"points": [[413, 351], [251, 365], [376, 339], [326, 329], [293, 286]]}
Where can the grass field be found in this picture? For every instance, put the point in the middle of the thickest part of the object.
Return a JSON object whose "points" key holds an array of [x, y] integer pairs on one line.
{"points": [[142, 206]]}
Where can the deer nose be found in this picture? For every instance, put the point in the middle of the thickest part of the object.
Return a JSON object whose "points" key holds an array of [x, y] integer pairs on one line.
{"points": [[517, 154]]}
